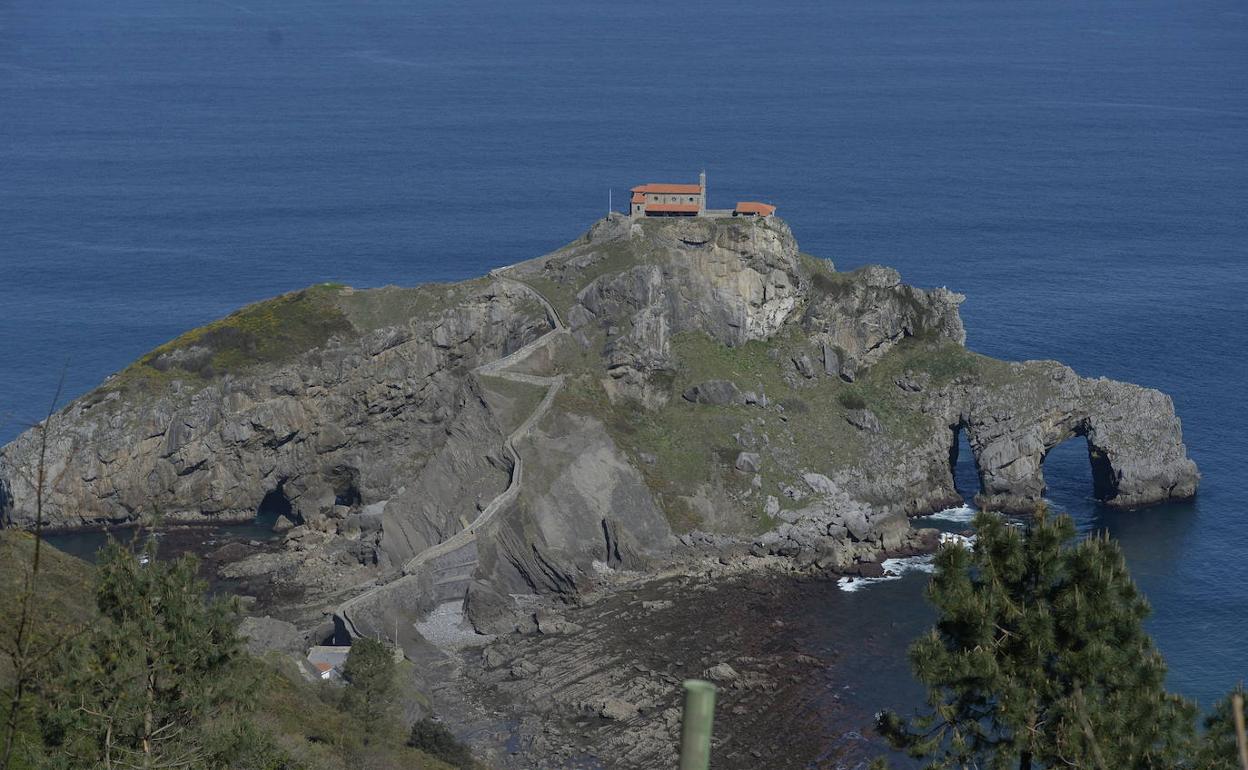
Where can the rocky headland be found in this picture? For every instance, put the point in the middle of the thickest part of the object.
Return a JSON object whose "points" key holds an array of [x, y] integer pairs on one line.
{"points": [[655, 394]]}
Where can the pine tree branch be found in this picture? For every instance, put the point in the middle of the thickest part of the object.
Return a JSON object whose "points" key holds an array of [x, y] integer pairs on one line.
{"points": [[1086, 724]]}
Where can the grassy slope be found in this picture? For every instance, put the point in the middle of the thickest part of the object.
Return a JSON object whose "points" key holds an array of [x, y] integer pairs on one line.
{"points": [[64, 595], [272, 331], [308, 724], [694, 443], [561, 286], [278, 330]]}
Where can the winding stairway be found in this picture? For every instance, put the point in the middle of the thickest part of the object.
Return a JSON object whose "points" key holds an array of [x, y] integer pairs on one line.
{"points": [[453, 561]]}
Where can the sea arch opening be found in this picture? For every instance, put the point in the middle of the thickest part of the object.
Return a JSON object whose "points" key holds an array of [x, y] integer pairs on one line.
{"points": [[1077, 472], [963, 467]]}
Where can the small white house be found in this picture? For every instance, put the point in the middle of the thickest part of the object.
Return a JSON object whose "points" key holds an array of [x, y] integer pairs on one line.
{"points": [[327, 661]]}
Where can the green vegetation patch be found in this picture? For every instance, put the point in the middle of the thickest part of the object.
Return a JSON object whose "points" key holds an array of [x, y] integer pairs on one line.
{"points": [[247, 712], [820, 268], [395, 305], [694, 446], [270, 332], [63, 595], [943, 361], [63, 589]]}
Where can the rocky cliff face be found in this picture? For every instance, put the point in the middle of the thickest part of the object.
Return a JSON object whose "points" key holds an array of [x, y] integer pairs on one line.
{"points": [[700, 377], [380, 406]]}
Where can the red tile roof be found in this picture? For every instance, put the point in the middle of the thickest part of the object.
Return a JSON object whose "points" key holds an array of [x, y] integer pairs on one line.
{"points": [[639, 197], [754, 207], [672, 208], [669, 189]]}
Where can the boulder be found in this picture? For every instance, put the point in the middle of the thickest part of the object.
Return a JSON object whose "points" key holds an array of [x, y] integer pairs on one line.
{"points": [[714, 392], [617, 709], [489, 610], [804, 366], [722, 673], [748, 462], [266, 634], [551, 623], [492, 657], [863, 419], [870, 569], [231, 552], [831, 361]]}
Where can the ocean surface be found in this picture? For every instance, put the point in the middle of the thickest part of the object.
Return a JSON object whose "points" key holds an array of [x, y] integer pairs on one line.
{"points": [[1078, 169]]}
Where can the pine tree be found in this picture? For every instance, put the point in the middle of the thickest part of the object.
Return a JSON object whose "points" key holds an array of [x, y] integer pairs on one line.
{"points": [[1039, 658], [1218, 748], [133, 691], [370, 676]]}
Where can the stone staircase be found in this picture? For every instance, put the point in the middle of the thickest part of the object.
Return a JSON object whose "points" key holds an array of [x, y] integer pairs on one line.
{"points": [[452, 562]]}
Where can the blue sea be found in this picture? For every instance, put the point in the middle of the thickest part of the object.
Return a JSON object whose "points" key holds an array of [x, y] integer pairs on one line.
{"points": [[1078, 169]]}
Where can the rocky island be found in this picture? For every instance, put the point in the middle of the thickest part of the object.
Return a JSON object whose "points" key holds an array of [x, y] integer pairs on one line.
{"points": [[657, 400]]}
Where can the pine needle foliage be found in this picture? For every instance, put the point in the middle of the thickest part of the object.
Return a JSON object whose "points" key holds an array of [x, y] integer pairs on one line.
{"points": [[1218, 749], [132, 691], [1039, 658], [370, 692]]}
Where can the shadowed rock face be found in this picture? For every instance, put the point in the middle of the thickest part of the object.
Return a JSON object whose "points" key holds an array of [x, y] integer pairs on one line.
{"points": [[819, 410]]}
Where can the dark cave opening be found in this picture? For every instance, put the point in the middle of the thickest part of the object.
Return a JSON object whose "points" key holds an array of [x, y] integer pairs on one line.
{"points": [[274, 505], [348, 496], [346, 483]]}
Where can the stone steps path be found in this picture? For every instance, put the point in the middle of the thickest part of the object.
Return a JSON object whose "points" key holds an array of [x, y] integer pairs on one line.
{"points": [[454, 560]]}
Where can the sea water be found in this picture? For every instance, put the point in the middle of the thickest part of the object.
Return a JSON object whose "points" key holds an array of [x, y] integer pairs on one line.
{"points": [[1078, 170]]}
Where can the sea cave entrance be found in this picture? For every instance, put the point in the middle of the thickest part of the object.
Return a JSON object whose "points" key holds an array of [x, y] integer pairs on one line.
{"points": [[274, 505]]}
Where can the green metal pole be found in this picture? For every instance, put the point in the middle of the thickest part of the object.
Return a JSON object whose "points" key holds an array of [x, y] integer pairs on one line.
{"points": [[695, 732]]}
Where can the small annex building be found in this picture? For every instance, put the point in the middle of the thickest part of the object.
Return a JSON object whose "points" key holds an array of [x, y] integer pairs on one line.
{"points": [[660, 199], [753, 209], [328, 661]]}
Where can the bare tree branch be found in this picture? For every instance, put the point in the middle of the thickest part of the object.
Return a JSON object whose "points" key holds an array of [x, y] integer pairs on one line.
{"points": [[22, 655]]}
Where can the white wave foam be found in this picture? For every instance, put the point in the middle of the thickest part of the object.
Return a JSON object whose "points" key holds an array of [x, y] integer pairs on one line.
{"points": [[953, 537], [963, 514], [893, 570]]}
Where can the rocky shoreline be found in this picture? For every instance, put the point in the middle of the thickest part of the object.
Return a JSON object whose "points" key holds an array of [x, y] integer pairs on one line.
{"points": [[597, 683]]}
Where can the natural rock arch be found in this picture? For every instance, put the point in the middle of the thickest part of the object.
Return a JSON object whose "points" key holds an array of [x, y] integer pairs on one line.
{"points": [[1135, 442]]}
